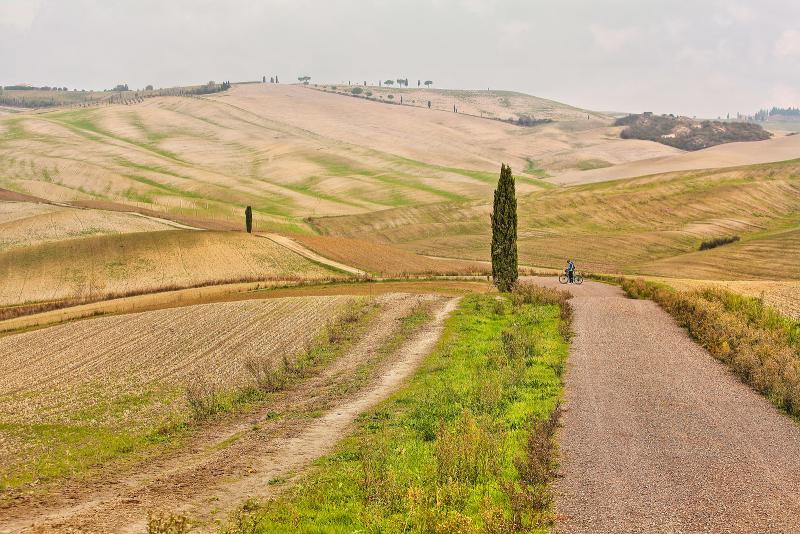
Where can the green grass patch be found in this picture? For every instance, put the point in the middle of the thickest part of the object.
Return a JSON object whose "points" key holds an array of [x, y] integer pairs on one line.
{"points": [[589, 164], [451, 452]]}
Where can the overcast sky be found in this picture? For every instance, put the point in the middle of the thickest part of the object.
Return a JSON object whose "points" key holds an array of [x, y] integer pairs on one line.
{"points": [[694, 57]]}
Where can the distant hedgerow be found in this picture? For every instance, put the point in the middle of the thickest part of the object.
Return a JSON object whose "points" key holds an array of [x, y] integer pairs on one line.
{"points": [[718, 242]]}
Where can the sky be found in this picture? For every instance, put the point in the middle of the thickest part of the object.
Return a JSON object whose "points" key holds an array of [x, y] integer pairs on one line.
{"points": [[693, 57]]}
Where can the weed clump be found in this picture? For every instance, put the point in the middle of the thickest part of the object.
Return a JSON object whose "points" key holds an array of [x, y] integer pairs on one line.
{"points": [[163, 523]]}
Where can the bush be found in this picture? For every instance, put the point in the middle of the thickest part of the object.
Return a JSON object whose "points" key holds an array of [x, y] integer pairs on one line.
{"points": [[356, 90], [718, 242]]}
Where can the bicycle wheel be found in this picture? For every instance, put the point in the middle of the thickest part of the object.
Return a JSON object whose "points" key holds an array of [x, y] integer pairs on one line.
{"points": [[578, 279], [563, 279]]}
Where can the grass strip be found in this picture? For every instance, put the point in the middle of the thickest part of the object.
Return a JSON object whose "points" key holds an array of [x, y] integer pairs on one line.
{"points": [[466, 446]]}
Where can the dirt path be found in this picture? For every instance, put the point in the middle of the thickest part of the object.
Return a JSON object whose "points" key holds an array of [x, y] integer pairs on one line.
{"points": [[294, 246], [223, 466], [658, 436]]}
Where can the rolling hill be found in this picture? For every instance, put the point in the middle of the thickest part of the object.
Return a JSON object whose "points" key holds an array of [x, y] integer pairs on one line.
{"points": [[646, 225]]}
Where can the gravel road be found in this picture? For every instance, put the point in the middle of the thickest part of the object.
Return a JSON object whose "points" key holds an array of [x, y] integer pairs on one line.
{"points": [[658, 436]]}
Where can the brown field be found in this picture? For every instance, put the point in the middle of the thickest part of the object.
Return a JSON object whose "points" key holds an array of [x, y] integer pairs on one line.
{"points": [[90, 383], [501, 105], [385, 260], [25, 224], [151, 261]]}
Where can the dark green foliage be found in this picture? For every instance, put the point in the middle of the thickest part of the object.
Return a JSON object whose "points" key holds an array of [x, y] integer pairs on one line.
{"points": [[718, 242], [248, 219], [504, 232]]}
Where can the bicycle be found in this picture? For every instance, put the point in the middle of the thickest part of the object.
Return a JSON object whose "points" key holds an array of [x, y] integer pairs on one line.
{"points": [[576, 279]]}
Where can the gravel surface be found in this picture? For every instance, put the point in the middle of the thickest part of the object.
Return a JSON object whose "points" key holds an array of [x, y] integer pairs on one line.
{"points": [[658, 436]]}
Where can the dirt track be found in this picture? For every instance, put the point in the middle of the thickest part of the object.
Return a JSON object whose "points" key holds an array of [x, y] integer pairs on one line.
{"points": [[223, 466], [658, 436]]}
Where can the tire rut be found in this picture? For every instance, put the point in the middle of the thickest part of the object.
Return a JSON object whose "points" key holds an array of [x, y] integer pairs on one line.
{"points": [[226, 464]]}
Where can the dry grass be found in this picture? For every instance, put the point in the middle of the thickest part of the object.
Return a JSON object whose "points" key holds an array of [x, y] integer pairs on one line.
{"points": [[387, 261], [93, 268], [105, 381], [759, 344], [782, 295], [24, 224], [648, 225]]}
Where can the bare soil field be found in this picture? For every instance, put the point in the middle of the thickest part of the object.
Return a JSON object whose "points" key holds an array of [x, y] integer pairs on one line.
{"points": [[149, 261], [24, 224], [244, 456], [385, 260], [66, 389]]}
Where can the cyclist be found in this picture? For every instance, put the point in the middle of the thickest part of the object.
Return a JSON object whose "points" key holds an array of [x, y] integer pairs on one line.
{"points": [[570, 271]]}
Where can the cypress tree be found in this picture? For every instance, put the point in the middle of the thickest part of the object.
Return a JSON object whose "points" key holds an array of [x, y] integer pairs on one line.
{"points": [[248, 219], [504, 232]]}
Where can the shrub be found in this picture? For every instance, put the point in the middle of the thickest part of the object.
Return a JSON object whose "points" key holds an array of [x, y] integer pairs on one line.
{"points": [[718, 242], [356, 90]]}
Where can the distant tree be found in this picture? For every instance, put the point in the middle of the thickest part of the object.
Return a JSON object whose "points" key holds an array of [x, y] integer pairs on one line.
{"points": [[276, 79], [389, 82], [365, 83], [428, 83], [248, 219], [419, 83], [304, 79], [504, 232], [264, 79], [148, 88], [399, 82]]}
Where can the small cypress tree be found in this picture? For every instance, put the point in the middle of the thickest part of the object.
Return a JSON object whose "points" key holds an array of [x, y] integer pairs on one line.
{"points": [[248, 219], [504, 232]]}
